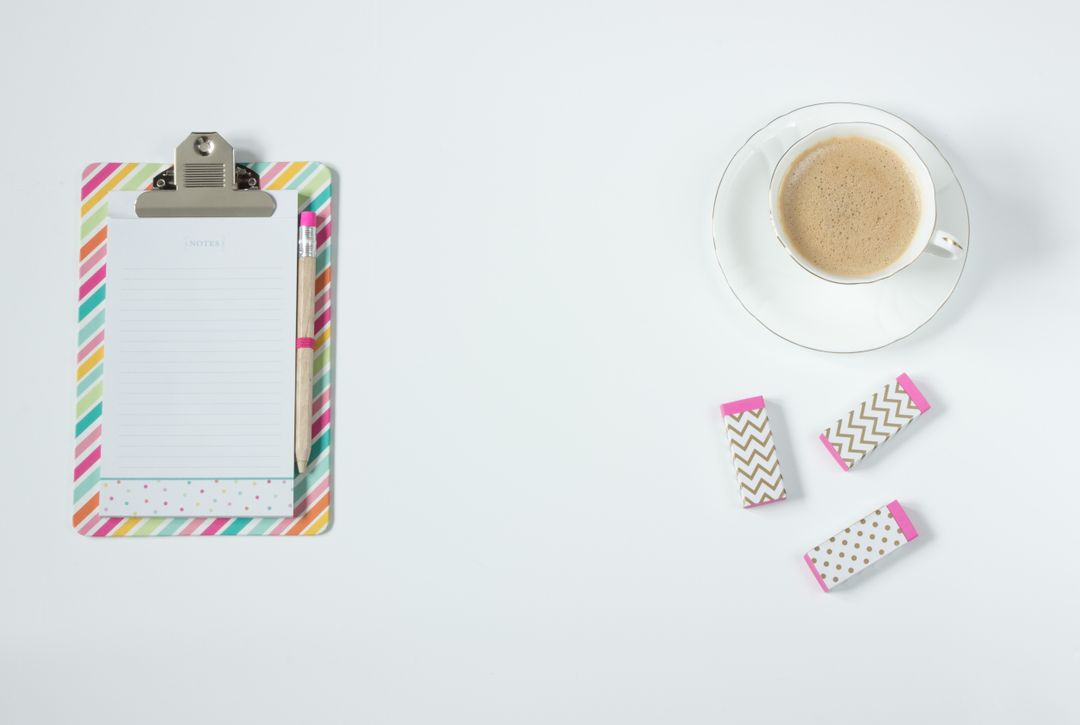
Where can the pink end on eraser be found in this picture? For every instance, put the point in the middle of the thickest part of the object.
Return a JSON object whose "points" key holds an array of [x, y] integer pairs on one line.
{"points": [[817, 574], [765, 503], [913, 392], [835, 453], [901, 518], [741, 406], [308, 219]]}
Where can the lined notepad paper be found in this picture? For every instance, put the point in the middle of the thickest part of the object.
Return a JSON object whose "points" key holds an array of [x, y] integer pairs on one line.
{"points": [[200, 364]]}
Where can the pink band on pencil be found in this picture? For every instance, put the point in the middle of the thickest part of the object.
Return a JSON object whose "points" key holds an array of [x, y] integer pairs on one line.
{"points": [[741, 406], [913, 392], [835, 453], [305, 342], [901, 518], [308, 219]]}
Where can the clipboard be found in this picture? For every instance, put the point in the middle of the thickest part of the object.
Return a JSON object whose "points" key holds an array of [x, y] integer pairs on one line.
{"points": [[203, 181]]}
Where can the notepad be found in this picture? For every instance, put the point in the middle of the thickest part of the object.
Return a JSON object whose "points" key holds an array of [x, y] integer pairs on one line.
{"points": [[200, 363]]}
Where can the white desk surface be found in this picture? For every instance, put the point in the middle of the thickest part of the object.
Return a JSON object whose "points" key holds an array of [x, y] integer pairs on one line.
{"points": [[535, 521]]}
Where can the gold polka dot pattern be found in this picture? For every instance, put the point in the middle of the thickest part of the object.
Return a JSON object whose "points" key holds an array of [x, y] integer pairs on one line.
{"points": [[856, 547]]}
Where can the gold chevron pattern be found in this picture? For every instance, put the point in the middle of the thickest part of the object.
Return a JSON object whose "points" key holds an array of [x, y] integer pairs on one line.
{"points": [[866, 427], [757, 469]]}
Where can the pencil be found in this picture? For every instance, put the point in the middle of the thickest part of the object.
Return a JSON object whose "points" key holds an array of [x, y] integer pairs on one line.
{"points": [[305, 329]]}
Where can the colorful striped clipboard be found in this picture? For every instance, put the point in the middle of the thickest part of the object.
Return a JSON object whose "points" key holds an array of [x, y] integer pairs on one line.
{"points": [[312, 491]]}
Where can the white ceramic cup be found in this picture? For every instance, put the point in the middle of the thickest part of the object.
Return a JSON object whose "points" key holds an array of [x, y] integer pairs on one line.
{"points": [[927, 237]]}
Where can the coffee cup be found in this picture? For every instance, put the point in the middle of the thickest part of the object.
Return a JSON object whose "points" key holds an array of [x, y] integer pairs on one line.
{"points": [[927, 236]]}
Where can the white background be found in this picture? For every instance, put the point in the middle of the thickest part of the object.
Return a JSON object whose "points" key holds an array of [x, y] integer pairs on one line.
{"points": [[535, 519]]}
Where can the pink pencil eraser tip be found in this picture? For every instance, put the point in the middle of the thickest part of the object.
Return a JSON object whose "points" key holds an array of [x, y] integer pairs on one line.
{"points": [[308, 219]]}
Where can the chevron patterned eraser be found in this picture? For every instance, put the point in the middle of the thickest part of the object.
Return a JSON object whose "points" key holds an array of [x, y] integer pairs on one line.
{"points": [[757, 469], [877, 419], [860, 545]]}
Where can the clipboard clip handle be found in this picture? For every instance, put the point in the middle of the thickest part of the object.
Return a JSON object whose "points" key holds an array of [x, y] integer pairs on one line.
{"points": [[246, 179], [205, 181]]}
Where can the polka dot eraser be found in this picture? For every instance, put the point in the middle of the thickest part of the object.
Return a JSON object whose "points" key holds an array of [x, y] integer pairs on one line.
{"points": [[753, 453], [860, 545], [862, 429]]}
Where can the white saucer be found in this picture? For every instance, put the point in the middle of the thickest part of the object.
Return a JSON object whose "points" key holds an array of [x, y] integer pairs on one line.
{"points": [[798, 306]]}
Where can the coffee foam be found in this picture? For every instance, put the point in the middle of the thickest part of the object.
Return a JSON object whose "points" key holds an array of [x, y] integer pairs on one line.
{"points": [[850, 206]]}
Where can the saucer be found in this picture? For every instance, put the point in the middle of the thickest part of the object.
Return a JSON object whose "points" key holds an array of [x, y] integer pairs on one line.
{"points": [[805, 309]]}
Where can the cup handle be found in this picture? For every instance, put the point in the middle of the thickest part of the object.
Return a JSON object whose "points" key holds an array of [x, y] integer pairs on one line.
{"points": [[943, 244]]}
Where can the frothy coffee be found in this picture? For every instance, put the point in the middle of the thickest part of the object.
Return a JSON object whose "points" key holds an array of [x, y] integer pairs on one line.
{"points": [[849, 206]]}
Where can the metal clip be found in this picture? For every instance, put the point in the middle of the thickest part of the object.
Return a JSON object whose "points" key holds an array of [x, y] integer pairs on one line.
{"points": [[205, 181]]}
